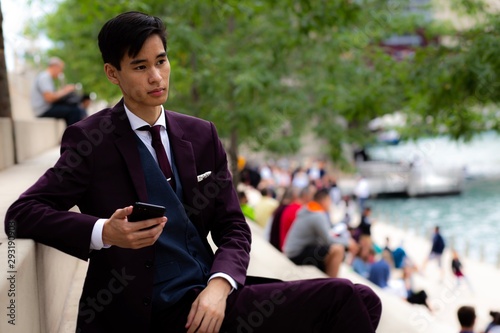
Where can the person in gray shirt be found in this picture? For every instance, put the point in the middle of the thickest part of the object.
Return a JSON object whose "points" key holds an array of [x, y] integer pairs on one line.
{"points": [[311, 240], [47, 101]]}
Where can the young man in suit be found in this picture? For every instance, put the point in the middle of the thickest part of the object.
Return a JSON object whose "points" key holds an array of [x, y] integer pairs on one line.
{"points": [[159, 274]]}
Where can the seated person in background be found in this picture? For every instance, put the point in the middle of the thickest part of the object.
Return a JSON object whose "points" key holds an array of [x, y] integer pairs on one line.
{"points": [[300, 197], [467, 318], [274, 226], [381, 270], [362, 263], [362, 233], [399, 256], [265, 207], [47, 101], [380, 273], [245, 207], [310, 240], [412, 296], [494, 326], [365, 224], [85, 102], [348, 206]]}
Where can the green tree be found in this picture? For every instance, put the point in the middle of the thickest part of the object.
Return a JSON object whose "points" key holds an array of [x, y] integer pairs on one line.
{"points": [[457, 83], [266, 71]]}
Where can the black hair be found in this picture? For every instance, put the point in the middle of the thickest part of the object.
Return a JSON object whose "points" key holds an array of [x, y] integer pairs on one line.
{"points": [[320, 195], [126, 33], [466, 316], [496, 317]]}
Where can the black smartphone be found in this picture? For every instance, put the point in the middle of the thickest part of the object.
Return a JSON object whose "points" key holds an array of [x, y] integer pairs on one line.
{"points": [[144, 211]]}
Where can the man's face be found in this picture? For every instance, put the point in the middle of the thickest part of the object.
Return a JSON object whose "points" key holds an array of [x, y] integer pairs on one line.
{"points": [[144, 79], [56, 70]]}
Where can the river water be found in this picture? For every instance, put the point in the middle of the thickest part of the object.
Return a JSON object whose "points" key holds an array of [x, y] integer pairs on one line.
{"points": [[471, 220]]}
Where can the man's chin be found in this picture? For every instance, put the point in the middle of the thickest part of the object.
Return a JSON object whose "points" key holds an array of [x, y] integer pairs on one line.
{"points": [[156, 101]]}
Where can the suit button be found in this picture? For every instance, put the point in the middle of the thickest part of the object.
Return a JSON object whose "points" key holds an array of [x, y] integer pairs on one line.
{"points": [[148, 264], [146, 301]]}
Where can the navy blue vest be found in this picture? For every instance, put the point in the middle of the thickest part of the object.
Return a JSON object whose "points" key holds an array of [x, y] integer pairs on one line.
{"points": [[181, 259]]}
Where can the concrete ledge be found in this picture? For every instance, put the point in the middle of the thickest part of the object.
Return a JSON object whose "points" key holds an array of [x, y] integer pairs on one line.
{"points": [[42, 276], [56, 271], [6, 143], [35, 136], [19, 288], [39, 287]]}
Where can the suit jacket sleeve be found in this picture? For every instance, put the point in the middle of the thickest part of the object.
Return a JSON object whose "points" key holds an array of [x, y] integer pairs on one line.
{"points": [[229, 229], [41, 213]]}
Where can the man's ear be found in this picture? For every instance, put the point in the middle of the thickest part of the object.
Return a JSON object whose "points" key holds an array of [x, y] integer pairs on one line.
{"points": [[111, 73]]}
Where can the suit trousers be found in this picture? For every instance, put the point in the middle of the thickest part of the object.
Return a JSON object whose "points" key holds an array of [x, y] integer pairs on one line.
{"points": [[71, 113], [302, 306]]}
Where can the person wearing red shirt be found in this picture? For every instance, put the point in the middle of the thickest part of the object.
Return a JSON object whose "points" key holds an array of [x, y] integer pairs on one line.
{"points": [[290, 212]]}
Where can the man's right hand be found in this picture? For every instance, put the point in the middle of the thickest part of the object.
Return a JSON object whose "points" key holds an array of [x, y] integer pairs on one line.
{"points": [[119, 232]]}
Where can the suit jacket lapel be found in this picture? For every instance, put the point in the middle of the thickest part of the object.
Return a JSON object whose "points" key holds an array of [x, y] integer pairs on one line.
{"points": [[127, 145], [184, 158]]}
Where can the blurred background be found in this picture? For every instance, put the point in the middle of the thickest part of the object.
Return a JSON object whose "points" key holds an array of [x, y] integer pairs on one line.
{"points": [[404, 94]]}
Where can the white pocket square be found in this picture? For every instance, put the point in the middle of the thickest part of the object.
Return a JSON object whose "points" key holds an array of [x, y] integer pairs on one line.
{"points": [[204, 175]]}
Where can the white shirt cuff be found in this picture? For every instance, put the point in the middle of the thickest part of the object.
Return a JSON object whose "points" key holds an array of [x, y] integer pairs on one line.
{"points": [[96, 239], [234, 285]]}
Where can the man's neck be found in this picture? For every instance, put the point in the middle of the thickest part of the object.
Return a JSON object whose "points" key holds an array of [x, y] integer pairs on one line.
{"points": [[148, 115], [315, 206], [52, 73]]}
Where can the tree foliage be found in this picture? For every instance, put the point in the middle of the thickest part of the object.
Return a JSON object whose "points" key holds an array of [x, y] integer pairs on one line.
{"points": [[457, 84], [266, 71]]}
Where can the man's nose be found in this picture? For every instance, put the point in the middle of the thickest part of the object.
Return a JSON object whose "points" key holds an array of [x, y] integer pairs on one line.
{"points": [[155, 75]]}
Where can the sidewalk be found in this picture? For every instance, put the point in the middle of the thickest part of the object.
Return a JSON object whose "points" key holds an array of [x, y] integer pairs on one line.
{"points": [[444, 297]]}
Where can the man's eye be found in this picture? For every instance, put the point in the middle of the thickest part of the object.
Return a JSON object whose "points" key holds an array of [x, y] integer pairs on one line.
{"points": [[140, 67]]}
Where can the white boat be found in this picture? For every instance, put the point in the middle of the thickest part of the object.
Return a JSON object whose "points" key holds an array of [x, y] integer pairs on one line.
{"points": [[385, 178]]}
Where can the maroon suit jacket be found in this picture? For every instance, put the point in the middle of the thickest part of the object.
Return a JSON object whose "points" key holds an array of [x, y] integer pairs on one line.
{"points": [[99, 170]]}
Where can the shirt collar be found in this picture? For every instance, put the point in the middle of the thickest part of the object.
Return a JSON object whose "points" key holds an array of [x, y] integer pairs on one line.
{"points": [[314, 206], [136, 122]]}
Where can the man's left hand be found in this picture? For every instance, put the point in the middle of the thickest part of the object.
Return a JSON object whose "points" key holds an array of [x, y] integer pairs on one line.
{"points": [[207, 311]]}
